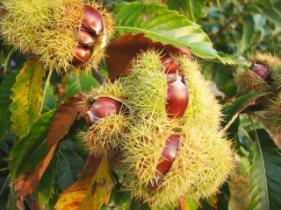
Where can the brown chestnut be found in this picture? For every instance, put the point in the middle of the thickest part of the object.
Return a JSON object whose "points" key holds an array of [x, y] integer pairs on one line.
{"points": [[86, 39], [103, 107], [92, 20], [261, 70], [177, 97], [170, 65], [81, 55], [168, 154]]}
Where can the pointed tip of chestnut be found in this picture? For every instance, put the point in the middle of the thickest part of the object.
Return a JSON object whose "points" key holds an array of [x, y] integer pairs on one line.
{"points": [[92, 20], [260, 69], [168, 154], [177, 98], [170, 65]]}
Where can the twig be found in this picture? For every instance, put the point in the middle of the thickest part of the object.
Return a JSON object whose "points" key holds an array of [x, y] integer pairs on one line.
{"points": [[182, 204], [98, 76], [46, 88], [7, 61]]}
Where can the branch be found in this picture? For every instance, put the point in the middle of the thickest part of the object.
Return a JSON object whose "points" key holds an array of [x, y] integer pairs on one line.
{"points": [[182, 204], [98, 76]]}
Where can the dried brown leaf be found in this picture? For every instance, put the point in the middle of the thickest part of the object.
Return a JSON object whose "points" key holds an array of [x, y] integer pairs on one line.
{"points": [[60, 126], [125, 48]]}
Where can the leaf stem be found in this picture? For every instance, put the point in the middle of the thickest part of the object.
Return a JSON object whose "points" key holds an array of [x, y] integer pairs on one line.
{"points": [[4, 185], [47, 84], [182, 204], [190, 6], [6, 64]]}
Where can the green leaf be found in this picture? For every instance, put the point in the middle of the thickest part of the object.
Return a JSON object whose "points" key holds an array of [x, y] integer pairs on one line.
{"points": [[45, 189], [5, 94], [158, 23], [193, 9], [248, 33], [79, 82], [265, 173], [50, 101], [29, 151], [93, 188], [71, 160], [62, 171], [270, 11], [232, 111], [26, 98]]}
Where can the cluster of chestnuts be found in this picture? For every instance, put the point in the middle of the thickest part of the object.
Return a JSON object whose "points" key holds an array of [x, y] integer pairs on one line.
{"points": [[64, 34], [163, 122]]}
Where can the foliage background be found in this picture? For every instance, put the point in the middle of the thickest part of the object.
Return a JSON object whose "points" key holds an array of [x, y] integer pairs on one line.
{"points": [[237, 29]]}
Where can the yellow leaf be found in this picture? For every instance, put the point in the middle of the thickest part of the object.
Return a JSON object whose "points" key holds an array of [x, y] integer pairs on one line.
{"points": [[92, 190], [26, 98]]}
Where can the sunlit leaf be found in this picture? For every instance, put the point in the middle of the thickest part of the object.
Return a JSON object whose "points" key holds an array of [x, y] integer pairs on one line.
{"points": [[92, 190], [163, 25], [26, 98]]}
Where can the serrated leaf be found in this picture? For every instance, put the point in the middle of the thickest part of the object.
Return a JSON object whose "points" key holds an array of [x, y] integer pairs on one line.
{"points": [[57, 130], [265, 173], [28, 151], [26, 98], [5, 94], [157, 22], [92, 190]]}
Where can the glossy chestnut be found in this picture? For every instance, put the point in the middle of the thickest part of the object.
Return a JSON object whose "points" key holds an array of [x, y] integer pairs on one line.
{"points": [[168, 154], [92, 20], [81, 55], [86, 39], [261, 70], [177, 97], [170, 65], [103, 107]]}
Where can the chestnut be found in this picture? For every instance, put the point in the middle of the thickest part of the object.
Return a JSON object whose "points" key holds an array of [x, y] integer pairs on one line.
{"points": [[86, 39], [92, 20], [81, 55], [170, 65], [102, 107], [177, 97], [260, 69], [168, 154]]}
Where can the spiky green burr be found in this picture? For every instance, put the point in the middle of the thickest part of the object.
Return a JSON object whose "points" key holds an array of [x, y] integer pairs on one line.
{"points": [[49, 30], [204, 157]]}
